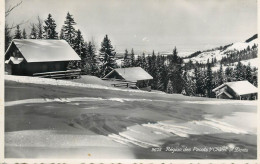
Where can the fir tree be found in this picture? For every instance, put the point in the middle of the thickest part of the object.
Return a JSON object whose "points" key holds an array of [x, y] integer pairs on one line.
{"points": [[18, 33], [68, 28], [228, 74], [107, 56], [139, 61], [169, 88], [189, 86], [198, 82], [144, 62], [220, 76], [208, 82], [249, 73], [132, 56], [24, 35], [239, 73], [80, 48], [175, 71], [33, 34], [50, 28], [126, 59], [92, 59]]}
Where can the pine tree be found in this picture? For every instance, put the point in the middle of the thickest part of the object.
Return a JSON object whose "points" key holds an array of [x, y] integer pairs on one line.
{"points": [[169, 88], [198, 82], [68, 28], [228, 74], [80, 48], [249, 73], [18, 33], [209, 84], [24, 35], [220, 76], [39, 28], [132, 56], [144, 62], [189, 86], [33, 34], [50, 28], [126, 59], [239, 73], [175, 71], [139, 61], [92, 59], [153, 70], [107, 56]]}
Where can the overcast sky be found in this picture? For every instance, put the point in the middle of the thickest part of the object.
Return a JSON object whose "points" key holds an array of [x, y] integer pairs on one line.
{"points": [[147, 25]]}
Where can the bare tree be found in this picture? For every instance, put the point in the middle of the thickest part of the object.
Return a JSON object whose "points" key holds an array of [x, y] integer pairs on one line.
{"points": [[8, 36], [8, 12], [11, 8], [39, 28]]}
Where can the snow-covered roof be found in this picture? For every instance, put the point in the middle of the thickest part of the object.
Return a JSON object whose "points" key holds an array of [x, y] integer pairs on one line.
{"points": [[36, 50], [240, 87], [132, 74], [14, 60]]}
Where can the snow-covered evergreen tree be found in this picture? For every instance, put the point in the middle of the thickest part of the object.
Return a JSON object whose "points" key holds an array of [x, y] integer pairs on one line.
{"points": [[92, 59], [50, 28], [126, 59], [107, 56], [248, 73], [80, 48], [198, 80], [175, 71], [239, 73], [208, 80], [132, 58], [220, 79], [139, 61], [169, 88], [68, 29]]}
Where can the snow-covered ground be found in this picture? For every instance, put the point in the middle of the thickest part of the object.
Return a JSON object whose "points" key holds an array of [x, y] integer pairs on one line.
{"points": [[51, 119], [47, 81]]}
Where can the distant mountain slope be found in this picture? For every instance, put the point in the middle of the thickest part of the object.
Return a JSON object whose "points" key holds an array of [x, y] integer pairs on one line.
{"points": [[219, 52]]}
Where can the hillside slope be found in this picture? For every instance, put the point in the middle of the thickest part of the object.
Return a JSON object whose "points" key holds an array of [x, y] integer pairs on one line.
{"points": [[222, 51]]}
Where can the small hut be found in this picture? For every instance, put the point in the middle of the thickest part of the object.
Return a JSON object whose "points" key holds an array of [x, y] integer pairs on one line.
{"points": [[131, 74], [240, 90]]}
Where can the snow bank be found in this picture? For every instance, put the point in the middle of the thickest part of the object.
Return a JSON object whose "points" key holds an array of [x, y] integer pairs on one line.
{"points": [[46, 81], [154, 134], [56, 139], [74, 99], [233, 102]]}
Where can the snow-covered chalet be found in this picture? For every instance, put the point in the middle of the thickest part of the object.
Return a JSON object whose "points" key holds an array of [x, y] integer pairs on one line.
{"points": [[30, 56], [240, 90]]}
